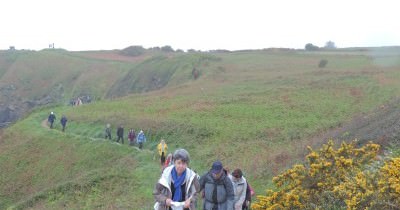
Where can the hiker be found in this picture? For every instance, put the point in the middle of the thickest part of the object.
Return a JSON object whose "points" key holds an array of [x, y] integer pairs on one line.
{"points": [[132, 137], [108, 131], [63, 122], [249, 193], [141, 138], [168, 160], [162, 150], [51, 119], [78, 102], [178, 186], [120, 133], [218, 189], [239, 187], [195, 73]]}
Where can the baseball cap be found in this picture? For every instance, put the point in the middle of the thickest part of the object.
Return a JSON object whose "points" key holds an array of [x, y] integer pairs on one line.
{"points": [[216, 167]]}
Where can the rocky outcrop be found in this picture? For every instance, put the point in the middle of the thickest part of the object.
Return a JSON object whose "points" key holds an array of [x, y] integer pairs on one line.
{"points": [[13, 107], [7, 115]]}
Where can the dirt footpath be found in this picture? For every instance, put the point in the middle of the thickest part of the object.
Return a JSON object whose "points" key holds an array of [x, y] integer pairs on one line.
{"points": [[44, 124]]}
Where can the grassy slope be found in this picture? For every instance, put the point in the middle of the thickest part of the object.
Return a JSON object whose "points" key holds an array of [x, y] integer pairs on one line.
{"points": [[54, 170], [35, 74], [158, 71], [253, 110]]}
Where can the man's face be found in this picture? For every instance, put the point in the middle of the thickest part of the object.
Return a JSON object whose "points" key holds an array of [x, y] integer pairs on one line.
{"points": [[217, 175]]}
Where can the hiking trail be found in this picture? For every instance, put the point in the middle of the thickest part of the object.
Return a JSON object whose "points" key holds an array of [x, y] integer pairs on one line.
{"points": [[45, 125]]}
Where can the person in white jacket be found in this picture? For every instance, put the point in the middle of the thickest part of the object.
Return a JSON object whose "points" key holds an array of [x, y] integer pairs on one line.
{"points": [[178, 185], [239, 186]]}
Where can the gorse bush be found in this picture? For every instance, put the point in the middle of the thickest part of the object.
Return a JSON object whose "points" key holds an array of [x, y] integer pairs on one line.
{"points": [[322, 63], [343, 178]]}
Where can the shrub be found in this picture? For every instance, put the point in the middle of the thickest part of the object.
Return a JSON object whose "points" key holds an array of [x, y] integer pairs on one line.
{"points": [[167, 48], [343, 178], [311, 47], [322, 63]]}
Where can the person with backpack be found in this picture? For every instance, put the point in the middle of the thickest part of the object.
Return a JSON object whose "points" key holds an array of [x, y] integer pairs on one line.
{"points": [[249, 194], [108, 131], [218, 189], [51, 119], [63, 122], [120, 134], [178, 186], [141, 138], [162, 150], [239, 186], [132, 137]]}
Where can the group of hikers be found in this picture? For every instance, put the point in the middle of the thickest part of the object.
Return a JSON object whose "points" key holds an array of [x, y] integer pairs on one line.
{"points": [[140, 138], [179, 187], [52, 117]]}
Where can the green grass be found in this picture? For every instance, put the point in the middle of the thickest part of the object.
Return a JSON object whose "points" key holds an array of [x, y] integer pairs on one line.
{"points": [[253, 110], [73, 171], [38, 73]]}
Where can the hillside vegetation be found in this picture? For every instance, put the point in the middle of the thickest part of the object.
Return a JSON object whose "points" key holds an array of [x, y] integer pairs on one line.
{"points": [[31, 79], [255, 110]]}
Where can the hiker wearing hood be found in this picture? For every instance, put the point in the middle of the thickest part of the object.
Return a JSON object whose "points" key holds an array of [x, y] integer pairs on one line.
{"points": [[108, 132], [218, 189], [162, 150], [51, 119], [178, 186], [141, 138]]}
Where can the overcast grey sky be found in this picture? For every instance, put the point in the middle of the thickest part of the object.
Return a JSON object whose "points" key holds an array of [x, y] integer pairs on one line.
{"points": [[201, 24]]}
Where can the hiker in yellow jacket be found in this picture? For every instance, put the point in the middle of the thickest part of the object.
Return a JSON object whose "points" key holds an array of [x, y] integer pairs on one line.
{"points": [[162, 150]]}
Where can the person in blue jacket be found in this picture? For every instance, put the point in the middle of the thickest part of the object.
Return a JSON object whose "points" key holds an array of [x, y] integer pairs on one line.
{"points": [[63, 122], [141, 138], [51, 119]]}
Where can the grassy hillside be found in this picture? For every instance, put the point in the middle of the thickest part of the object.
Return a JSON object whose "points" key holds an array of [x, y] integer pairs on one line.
{"points": [[164, 70], [100, 74], [38, 73], [47, 169], [255, 110]]}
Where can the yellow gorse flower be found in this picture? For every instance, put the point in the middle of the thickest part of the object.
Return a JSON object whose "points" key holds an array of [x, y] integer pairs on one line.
{"points": [[347, 177]]}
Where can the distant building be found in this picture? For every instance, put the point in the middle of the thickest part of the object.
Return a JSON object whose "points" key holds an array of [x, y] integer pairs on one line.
{"points": [[12, 48]]}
